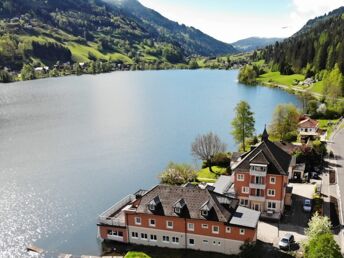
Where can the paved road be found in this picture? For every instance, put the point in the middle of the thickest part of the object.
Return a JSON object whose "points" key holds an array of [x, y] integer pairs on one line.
{"points": [[337, 145]]}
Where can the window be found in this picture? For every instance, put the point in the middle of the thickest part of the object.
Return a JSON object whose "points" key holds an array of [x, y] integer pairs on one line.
{"points": [[177, 210], [244, 202], [215, 229], [166, 239], [273, 180], [228, 229], [244, 189], [240, 177], [205, 241], [191, 227], [218, 243], [144, 236], [204, 213], [135, 235], [242, 231], [152, 222], [271, 192], [204, 226], [191, 241], [115, 233], [151, 206], [175, 240], [271, 205], [137, 220], [153, 237], [214, 242], [169, 224]]}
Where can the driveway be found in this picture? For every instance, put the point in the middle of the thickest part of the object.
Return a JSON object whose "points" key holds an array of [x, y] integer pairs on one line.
{"points": [[295, 220]]}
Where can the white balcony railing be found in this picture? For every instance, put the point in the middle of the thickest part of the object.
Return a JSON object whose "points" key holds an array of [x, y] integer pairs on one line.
{"points": [[257, 198], [257, 186], [107, 216], [257, 173]]}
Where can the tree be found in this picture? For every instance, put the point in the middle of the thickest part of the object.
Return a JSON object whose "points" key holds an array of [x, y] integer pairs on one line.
{"points": [[178, 174], [243, 123], [320, 241], [285, 120], [323, 246], [306, 97], [27, 72], [248, 75], [334, 84], [206, 146], [5, 76]]}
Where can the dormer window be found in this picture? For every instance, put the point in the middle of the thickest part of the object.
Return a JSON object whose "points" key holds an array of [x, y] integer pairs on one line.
{"points": [[204, 213], [177, 210], [153, 205], [179, 206]]}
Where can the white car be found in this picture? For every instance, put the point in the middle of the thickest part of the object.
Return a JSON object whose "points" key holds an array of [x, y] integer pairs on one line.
{"points": [[286, 242], [307, 205]]}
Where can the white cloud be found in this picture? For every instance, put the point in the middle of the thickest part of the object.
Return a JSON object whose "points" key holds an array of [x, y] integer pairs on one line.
{"points": [[303, 10]]}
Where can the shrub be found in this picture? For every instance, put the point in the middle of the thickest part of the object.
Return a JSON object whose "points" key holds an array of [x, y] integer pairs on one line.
{"points": [[178, 174]]}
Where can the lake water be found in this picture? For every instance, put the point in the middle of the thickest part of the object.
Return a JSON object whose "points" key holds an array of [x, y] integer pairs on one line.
{"points": [[71, 147]]}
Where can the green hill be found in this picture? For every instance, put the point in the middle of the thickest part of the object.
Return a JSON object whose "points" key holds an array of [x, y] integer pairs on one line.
{"points": [[46, 32]]}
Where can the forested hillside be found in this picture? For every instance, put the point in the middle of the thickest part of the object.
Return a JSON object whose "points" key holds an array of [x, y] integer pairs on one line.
{"points": [[51, 33], [316, 51], [253, 43]]}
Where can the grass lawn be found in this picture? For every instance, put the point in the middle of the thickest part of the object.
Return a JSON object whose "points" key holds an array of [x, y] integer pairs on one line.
{"points": [[136, 255], [276, 77], [204, 175], [318, 87], [324, 124]]}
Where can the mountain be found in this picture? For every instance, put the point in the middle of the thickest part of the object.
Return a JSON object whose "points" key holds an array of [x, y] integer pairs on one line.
{"points": [[253, 43], [46, 32], [317, 47], [314, 22], [193, 40]]}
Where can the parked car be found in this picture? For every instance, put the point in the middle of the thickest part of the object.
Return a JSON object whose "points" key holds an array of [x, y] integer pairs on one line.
{"points": [[307, 205], [286, 241], [315, 175]]}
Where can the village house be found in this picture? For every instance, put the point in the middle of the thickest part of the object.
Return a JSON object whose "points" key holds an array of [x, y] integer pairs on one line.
{"points": [[261, 177], [180, 217], [308, 128]]}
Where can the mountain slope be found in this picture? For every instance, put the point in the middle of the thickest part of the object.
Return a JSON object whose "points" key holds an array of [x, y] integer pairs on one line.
{"points": [[253, 43], [43, 32], [192, 40], [318, 46]]}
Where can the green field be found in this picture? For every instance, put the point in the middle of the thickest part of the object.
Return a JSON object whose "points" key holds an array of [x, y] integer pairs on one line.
{"points": [[204, 175], [277, 78], [318, 87]]}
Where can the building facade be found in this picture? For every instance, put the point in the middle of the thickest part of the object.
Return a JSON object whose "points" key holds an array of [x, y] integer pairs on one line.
{"points": [[181, 218], [261, 178]]}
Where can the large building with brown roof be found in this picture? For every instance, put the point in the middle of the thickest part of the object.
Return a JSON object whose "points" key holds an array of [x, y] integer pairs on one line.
{"points": [[181, 217], [261, 178]]}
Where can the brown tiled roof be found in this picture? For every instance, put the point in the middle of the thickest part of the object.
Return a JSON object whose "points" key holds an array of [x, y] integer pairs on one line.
{"points": [[221, 207], [266, 151], [308, 123], [287, 147]]}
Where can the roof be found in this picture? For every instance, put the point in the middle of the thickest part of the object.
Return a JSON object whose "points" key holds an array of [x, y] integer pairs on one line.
{"points": [[308, 123], [245, 217], [222, 184], [268, 153], [300, 167], [221, 207], [287, 146]]}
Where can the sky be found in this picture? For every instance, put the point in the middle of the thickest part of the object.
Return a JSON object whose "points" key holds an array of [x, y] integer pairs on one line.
{"points": [[231, 20]]}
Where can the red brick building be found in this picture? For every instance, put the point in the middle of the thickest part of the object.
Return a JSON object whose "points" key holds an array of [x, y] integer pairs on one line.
{"points": [[261, 178], [182, 218]]}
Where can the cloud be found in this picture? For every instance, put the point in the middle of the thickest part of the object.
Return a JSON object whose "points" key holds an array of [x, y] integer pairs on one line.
{"points": [[303, 10]]}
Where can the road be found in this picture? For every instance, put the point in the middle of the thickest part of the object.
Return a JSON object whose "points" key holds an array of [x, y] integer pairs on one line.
{"points": [[337, 145]]}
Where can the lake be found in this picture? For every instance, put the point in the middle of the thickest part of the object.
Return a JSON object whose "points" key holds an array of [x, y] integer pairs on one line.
{"points": [[71, 147]]}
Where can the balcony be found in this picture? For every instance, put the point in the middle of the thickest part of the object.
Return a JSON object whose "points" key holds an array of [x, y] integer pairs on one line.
{"points": [[257, 186], [257, 198], [257, 172], [115, 216]]}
